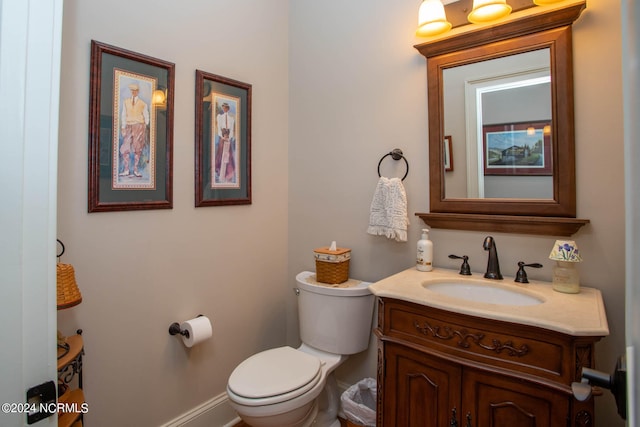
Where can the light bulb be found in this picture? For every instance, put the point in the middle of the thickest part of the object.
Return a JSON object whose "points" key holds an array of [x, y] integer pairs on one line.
{"points": [[432, 19], [488, 10]]}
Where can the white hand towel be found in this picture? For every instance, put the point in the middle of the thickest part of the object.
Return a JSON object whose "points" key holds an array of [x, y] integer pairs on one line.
{"points": [[388, 215]]}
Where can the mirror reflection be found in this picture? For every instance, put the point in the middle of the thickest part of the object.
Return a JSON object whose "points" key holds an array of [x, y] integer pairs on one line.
{"points": [[498, 128]]}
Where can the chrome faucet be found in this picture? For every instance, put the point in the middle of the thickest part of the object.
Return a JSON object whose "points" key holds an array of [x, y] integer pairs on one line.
{"points": [[493, 266]]}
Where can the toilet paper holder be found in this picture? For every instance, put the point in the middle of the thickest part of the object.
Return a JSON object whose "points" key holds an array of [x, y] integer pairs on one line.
{"points": [[174, 329]]}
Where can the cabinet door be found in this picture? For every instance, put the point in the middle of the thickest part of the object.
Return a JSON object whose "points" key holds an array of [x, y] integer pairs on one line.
{"points": [[499, 401], [419, 390]]}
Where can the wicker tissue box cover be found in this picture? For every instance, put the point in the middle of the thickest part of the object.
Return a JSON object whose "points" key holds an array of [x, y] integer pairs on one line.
{"points": [[327, 255], [332, 267]]}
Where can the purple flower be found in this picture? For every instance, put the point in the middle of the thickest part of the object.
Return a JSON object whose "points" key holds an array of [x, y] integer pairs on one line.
{"points": [[567, 247]]}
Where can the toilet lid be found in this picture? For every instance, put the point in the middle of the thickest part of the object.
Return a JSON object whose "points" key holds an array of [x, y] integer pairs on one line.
{"points": [[274, 372]]}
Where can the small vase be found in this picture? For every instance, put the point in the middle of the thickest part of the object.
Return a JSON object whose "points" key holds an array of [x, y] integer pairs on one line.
{"points": [[566, 278]]}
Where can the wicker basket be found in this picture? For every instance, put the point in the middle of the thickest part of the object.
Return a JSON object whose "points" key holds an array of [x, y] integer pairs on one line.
{"points": [[332, 267], [68, 293]]}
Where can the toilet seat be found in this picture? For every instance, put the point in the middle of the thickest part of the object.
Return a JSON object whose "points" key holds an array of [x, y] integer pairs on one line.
{"points": [[274, 376]]}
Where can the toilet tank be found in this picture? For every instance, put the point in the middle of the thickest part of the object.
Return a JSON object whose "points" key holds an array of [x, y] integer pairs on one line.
{"points": [[334, 319]]}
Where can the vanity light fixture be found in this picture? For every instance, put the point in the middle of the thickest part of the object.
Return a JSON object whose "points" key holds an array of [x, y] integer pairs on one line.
{"points": [[488, 10], [531, 130], [546, 130], [432, 19], [565, 276]]}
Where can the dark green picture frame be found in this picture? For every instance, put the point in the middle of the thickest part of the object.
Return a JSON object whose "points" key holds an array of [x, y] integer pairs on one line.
{"points": [[232, 186], [108, 66]]}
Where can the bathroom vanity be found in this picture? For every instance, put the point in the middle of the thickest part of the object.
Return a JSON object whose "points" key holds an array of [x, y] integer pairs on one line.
{"points": [[466, 351]]}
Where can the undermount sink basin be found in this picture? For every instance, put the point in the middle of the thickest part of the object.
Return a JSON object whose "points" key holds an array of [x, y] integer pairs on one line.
{"points": [[483, 292]]}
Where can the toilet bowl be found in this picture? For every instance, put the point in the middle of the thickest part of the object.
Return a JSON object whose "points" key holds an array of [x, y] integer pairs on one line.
{"points": [[280, 387], [288, 387]]}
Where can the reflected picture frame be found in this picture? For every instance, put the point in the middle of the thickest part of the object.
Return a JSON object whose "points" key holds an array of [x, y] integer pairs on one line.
{"points": [[130, 130], [522, 148], [222, 140]]}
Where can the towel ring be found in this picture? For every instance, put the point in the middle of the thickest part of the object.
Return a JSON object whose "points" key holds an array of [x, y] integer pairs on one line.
{"points": [[396, 154]]}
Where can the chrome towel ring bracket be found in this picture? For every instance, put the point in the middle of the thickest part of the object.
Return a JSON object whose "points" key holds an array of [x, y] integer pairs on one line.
{"points": [[396, 154]]}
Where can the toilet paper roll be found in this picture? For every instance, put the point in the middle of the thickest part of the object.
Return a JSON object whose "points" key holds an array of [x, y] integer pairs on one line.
{"points": [[199, 329]]}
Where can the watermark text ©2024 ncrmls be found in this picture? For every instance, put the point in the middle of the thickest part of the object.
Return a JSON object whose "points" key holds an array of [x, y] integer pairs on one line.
{"points": [[51, 407]]}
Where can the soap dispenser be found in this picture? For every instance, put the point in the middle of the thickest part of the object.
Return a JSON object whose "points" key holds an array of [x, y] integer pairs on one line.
{"points": [[424, 259]]}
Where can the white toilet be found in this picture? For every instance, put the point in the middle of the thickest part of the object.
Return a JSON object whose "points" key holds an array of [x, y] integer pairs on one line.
{"points": [[287, 387]]}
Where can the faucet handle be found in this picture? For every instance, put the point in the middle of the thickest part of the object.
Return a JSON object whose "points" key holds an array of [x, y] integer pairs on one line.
{"points": [[465, 270], [521, 275]]}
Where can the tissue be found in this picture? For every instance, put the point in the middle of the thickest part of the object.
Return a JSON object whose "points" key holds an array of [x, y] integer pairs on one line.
{"points": [[198, 329]]}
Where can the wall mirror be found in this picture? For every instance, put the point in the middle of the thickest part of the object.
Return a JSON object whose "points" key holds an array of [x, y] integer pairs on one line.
{"points": [[502, 142], [501, 132]]}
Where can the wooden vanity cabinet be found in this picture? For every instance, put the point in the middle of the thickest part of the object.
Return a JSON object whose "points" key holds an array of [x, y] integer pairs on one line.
{"points": [[417, 389], [439, 368]]}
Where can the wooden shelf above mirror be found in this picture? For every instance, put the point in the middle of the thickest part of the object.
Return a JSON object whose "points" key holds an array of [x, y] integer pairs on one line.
{"points": [[549, 226]]}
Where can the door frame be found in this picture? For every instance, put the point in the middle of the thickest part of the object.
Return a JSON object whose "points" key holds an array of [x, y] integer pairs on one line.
{"points": [[630, 14], [30, 50]]}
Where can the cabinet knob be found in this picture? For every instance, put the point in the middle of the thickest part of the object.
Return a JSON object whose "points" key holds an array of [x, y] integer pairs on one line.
{"points": [[454, 420], [469, 419]]}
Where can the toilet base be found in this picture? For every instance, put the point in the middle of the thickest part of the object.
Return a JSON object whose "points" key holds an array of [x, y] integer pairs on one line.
{"points": [[328, 403]]}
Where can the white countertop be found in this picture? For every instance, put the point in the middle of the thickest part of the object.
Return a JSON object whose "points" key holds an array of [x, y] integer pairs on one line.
{"points": [[581, 314]]}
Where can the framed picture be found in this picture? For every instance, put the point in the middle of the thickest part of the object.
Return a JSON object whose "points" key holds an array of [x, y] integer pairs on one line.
{"points": [[448, 154], [130, 130], [223, 141], [517, 149]]}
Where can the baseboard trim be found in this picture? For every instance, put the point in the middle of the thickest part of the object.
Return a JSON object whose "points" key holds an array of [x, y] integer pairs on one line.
{"points": [[217, 412], [214, 412]]}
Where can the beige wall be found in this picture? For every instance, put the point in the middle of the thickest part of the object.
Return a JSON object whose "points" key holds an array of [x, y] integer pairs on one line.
{"points": [[336, 85], [358, 90], [141, 271]]}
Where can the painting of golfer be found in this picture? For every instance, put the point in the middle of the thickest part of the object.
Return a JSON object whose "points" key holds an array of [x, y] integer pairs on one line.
{"points": [[224, 137], [134, 144]]}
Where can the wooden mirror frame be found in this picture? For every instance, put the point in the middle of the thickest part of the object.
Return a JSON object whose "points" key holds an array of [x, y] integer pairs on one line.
{"points": [[547, 29]]}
